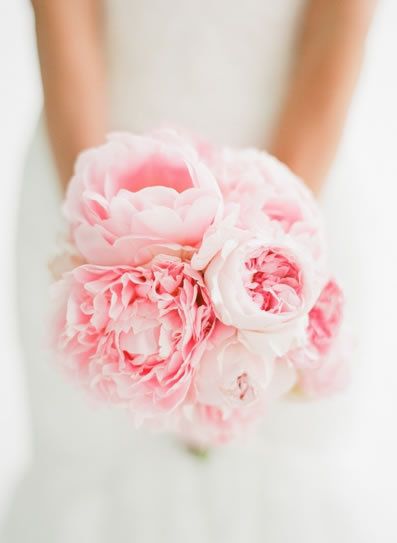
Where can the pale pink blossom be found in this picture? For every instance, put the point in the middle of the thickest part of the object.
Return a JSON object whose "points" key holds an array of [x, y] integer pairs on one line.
{"points": [[134, 336], [229, 375], [283, 381], [332, 375], [202, 426], [138, 196], [264, 285]]}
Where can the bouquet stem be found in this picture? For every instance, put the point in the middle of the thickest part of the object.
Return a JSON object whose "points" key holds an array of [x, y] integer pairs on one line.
{"points": [[199, 452]]}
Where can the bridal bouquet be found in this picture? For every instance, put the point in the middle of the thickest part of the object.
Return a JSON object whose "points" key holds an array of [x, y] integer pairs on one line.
{"points": [[194, 290]]}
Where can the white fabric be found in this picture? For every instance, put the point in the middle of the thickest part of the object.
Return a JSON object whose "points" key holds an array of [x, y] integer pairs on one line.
{"points": [[218, 69]]}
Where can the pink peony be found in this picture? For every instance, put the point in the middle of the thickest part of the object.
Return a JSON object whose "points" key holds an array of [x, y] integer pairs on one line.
{"points": [[138, 196], [279, 193], [134, 335]]}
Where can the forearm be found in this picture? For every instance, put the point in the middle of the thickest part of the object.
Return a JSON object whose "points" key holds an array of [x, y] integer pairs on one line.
{"points": [[69, 45], [328, 62]]}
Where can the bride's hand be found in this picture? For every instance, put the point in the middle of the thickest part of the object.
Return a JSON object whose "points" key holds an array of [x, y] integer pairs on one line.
{"points": [[328, 60]]}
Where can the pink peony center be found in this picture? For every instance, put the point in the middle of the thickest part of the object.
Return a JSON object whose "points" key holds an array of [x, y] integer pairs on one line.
{"points": [[138, 333], [157, 170], [273, 281]]}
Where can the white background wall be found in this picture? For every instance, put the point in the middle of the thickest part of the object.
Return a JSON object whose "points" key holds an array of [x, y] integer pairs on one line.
{"points": [[371, 142]]}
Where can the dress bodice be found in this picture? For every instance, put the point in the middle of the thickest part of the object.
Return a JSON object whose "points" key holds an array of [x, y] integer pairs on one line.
{"points": [[215, 68]]}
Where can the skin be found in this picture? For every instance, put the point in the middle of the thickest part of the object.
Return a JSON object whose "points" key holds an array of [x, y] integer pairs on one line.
{"points": [[328, 60], [69, 41], [329, 55]]}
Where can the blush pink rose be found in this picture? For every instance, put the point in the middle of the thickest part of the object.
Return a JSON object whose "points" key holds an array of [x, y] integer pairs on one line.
{"points": [[263, 285], [138, 196], [229, 375], [134, 336]]}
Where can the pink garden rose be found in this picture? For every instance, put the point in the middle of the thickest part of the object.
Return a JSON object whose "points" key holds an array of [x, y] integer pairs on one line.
{"points": [[134, 335], [66, 260], [264, 285], [229, 375], [138, 196]]}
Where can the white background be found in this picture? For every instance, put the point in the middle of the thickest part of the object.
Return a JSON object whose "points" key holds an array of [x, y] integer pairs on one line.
{"points": [[371, 142], [20, 99]]}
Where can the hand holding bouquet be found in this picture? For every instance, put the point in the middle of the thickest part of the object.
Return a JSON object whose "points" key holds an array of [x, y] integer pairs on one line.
{"points": [[196, 287]]}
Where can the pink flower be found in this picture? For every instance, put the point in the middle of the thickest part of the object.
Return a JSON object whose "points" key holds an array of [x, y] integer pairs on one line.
{"points": [[134, 335], [325, 318], [322, 363], [324, 322], [279, 193], [229, 375], [138, 196], [332, 375], [273, 281], [264, 190], [192, 290], [203, 426], [264, 285]]}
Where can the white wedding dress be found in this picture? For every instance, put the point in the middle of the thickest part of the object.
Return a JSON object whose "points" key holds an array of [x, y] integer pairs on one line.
{"points": [[217, 68]]}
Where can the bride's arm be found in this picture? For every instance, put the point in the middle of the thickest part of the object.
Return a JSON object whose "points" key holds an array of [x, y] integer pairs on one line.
{"points": [[329, 56], [71, 60]]}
